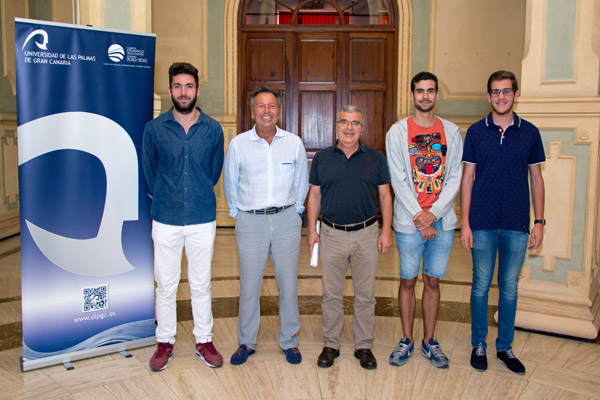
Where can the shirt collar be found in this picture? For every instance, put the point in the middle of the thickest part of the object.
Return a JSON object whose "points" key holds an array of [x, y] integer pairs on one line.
{"points": [[361, 147], [489, 121], [278, 133], [171, 117]]}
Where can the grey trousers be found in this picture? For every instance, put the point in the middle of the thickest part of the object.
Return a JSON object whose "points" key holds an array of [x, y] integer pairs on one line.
{"points": [[359, 250], [258, 236]]}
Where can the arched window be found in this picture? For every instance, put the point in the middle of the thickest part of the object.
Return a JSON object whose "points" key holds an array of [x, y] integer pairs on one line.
{"points": [[318, 12]]}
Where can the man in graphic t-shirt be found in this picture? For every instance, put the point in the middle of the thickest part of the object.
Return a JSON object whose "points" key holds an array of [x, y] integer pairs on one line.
{"points": [[424, 156]]}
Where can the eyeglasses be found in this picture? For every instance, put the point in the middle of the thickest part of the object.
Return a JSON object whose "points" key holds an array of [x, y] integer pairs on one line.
{"points": [[507, 92], [344, 123]]}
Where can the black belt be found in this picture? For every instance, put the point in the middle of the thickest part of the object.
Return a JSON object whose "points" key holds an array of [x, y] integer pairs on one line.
{"points": [[269, 211], [353, 227]]}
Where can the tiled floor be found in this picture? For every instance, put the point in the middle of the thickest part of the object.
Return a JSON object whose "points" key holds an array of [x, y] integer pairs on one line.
{"points": [[557, 368]]}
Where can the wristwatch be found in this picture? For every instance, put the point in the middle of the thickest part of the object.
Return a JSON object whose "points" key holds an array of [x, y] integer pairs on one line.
{"points": [[540, 221]]}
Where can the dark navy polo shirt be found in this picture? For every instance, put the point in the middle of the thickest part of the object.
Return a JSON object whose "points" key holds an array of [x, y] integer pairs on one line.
{"points": [[349, 185], [500, 196]]}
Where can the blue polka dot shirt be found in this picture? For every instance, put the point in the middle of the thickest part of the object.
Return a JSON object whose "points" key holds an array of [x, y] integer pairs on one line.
{"points": [[500, 196]]}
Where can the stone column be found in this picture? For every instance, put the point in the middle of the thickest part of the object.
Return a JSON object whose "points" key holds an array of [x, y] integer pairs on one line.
{"points": [[559, 286]]}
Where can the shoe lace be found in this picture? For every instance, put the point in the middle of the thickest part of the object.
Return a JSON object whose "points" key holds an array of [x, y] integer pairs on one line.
{"points": [[480, 352], [510, 354], [436, 349], [402, 348], [161, 349]]}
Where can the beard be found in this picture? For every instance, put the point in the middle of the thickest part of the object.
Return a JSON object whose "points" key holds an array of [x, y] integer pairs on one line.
{"points": [[425, 109], [184, 109]]}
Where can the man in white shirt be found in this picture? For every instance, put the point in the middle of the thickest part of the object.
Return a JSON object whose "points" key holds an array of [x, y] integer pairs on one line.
{"points": [[266, 182]]}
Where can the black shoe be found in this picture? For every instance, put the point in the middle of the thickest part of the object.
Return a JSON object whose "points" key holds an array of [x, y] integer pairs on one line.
{"points": [[327, 356], [366, 357], [511, 362], [478, 358]]}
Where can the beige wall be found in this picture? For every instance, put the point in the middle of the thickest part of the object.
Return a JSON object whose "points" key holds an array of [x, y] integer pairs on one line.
{"points": [[470, 39]]}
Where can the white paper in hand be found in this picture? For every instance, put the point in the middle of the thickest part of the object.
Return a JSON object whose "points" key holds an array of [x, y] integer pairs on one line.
{"points": [[314, 260]]}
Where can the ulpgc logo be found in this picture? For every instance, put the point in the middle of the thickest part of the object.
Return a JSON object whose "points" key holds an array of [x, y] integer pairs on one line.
{"points": [[116, 53], [43, 45]]}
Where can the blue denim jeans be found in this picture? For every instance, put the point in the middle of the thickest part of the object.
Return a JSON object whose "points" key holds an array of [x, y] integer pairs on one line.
{"points": [[510, 247], [434, 252]]}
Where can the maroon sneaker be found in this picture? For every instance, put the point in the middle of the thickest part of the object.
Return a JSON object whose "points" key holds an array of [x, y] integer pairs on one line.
{"points": [[209, 354], [161, 357]]}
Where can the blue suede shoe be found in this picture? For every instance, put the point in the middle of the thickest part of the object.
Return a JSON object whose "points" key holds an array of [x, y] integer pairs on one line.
{"points": [[292, 355], [241, 355]]}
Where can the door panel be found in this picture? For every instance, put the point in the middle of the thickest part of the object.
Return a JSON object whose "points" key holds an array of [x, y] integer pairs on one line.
{"points": [[373, 104], [266, 60], [368, 60], [372, 84], [317, 58], [318, 73], [317, 110]]}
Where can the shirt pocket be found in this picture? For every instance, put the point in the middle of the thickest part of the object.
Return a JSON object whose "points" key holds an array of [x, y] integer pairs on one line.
{"points": [[286, 172]]}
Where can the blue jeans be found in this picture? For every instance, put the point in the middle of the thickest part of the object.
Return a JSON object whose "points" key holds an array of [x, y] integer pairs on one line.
{"points": [[434, 252], [510, 247]]}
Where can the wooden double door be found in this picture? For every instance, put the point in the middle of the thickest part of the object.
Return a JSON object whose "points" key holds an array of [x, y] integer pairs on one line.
{"points": [[317, 73]]}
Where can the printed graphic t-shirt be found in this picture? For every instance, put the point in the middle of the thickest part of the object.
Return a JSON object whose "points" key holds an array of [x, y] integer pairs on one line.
{"points": [[427, 148]]}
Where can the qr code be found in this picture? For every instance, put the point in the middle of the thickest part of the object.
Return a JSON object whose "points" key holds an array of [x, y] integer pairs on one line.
{"points": [[95, 298]]}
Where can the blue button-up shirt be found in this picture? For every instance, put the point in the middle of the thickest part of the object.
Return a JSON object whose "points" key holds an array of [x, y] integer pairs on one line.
{"points": [[181, 169], [261, 175]]}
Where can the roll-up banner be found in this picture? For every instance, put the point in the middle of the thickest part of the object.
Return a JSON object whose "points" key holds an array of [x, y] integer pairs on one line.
{"points": [[83, 97]]}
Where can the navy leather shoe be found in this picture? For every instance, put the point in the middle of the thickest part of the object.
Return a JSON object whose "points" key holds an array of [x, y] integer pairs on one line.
{"points": [[241, 355], [292, 355]]}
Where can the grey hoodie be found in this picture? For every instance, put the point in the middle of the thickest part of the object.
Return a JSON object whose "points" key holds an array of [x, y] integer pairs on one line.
{"points": [[406, 205]]}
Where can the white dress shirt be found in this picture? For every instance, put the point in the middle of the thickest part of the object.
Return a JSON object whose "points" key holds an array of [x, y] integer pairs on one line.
{"points": [[259, 175]]}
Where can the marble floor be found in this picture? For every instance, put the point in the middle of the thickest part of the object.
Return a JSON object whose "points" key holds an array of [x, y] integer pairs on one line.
{"points": [[557, 368]]}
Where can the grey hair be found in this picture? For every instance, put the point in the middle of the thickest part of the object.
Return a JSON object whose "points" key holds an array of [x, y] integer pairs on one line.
{"points": [[352, 109]]}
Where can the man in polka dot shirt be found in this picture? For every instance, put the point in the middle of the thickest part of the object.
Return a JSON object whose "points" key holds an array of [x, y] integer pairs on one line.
{"points": [[502, 157]]}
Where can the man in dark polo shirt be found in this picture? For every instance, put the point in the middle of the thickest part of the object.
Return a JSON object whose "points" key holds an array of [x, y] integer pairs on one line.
{"points": [[500, 153], [344, 182]]}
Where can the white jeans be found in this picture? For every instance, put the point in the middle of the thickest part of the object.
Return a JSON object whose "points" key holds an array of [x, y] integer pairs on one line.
{"points": [[169, 241]]}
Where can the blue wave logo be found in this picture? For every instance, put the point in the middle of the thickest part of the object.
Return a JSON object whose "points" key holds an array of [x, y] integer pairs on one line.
{"points": [[126, 332], [116, 53]]}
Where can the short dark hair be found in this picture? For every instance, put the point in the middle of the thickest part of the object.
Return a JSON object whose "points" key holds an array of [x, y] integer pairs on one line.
{"points": [[264, 89], [500, 76], [423, 76], [182, 68]]}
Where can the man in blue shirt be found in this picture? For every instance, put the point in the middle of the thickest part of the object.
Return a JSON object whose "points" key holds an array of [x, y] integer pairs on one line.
{"points": [[265, 180], [183, 159], [500, 153]]}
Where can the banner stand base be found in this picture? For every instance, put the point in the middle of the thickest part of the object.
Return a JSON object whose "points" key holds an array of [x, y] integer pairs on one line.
{"points": [[66, 359], [68, 366], [125, 354]]}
